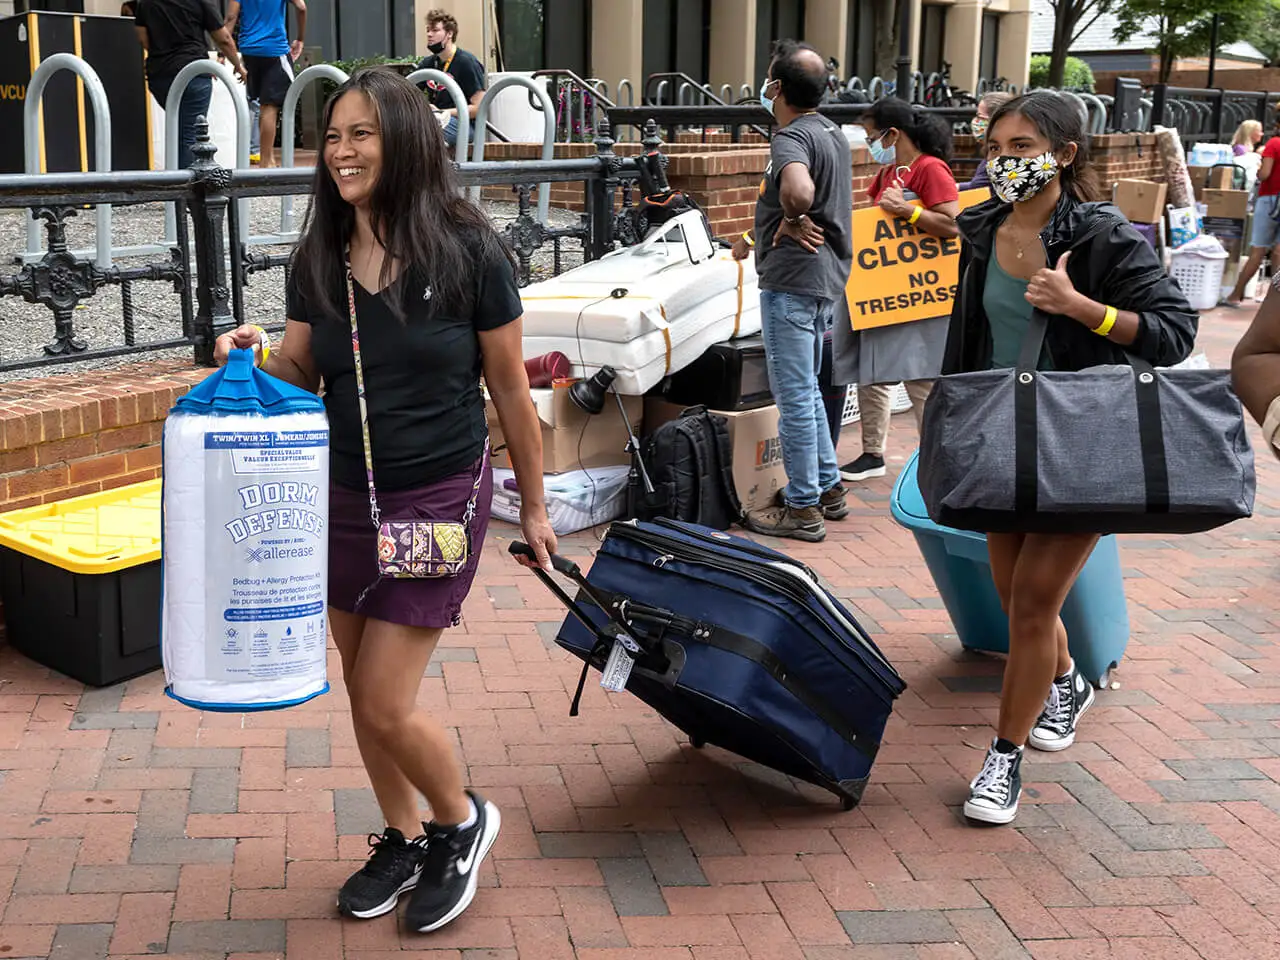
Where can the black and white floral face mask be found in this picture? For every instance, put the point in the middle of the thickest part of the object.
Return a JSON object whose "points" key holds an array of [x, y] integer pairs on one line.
{"points": [[1018, 179]]}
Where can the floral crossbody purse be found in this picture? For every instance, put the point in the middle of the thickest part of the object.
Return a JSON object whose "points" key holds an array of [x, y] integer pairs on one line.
{"points": [[411, 549]]}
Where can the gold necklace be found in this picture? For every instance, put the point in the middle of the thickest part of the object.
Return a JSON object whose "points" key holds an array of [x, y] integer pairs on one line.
{"points": [[1017, 242]]}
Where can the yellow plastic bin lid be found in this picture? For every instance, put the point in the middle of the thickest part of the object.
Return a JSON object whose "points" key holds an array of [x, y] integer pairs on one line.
{"points": [[97, 533]]}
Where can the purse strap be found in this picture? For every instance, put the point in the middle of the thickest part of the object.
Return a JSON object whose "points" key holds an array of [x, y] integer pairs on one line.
{"points": [[375, 514], [1155, 468]]}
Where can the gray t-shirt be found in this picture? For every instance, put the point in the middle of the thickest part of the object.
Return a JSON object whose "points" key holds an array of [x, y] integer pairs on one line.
{"points": [[820, 145]]}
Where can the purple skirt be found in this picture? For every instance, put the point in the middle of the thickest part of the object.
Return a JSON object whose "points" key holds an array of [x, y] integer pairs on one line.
{"points": [[353, 550]]}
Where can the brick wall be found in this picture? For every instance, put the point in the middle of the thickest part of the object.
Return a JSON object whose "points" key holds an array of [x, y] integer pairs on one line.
{"points": [[724, 177], [69, 435], [1255, 80]]}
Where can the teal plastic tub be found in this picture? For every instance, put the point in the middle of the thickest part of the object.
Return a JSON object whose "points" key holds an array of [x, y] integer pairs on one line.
{"points": [[1095, 613]]}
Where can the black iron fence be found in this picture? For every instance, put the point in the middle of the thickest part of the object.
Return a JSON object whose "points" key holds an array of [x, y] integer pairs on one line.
{"points": [[209, 267], [707, 119]]}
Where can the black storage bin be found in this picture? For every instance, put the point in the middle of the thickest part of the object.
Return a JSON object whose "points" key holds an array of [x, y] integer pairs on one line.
{"points": [[81, 583]]}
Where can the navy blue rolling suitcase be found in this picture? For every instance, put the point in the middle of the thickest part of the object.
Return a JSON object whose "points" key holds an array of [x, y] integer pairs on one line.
{"points": [[736, 644]]}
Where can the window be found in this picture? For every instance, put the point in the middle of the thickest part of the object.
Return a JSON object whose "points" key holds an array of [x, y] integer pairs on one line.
{"points": [[545, 34], [989, 55], [676, 34], [861, 48], [776, 20], [933, 38]]}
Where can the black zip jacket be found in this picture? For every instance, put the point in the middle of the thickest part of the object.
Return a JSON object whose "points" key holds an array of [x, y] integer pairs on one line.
{"points": [[1110, 263]]}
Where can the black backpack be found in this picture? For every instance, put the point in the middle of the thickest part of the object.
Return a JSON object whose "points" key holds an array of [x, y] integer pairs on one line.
{"points": [[690, 464]]}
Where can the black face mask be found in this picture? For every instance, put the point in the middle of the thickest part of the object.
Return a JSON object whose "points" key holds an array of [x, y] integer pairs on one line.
{"points": [[435, 47]]}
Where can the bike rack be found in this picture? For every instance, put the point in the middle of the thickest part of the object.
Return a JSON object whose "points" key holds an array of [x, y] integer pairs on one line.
{"points": [[631, 92], [463, 139], [32, 130], [1096, 119], [322, 71], [548, 137], [201, 68]]}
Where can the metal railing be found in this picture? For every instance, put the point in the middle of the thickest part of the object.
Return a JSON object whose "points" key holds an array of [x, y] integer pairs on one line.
{"points": [[1207, 115], [731, 118], [210, 265]]}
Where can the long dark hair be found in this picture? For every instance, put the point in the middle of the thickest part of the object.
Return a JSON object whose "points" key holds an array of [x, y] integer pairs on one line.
{"points": [[927, 132], [1060, 121], [417, 211]]}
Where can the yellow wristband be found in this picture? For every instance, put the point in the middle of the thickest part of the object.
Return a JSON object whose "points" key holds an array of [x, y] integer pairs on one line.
{"points": [[746, 235], [1107, 323], [915, 215], [264, 345]]}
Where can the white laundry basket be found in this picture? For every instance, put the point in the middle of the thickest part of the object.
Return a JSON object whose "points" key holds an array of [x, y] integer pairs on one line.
{"points": [[1199, 275], [899, 400]]}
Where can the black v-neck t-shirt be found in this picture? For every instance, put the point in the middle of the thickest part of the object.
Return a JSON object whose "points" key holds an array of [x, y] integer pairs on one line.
{"points": [[422, 377]]}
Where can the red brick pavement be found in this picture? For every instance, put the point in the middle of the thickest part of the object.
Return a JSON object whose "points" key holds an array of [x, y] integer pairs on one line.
{"points": [[130, 826]]}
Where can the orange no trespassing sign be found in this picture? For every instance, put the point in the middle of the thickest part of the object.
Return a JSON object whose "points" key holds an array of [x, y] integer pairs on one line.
{"points": [[900, 273]]}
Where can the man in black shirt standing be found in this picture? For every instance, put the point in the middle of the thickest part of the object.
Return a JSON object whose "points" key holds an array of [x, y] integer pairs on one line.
{"points": [[442, 41], [173, 34]]}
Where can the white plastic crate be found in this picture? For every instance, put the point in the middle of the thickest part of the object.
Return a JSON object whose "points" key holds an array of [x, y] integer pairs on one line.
{"points": [[899, 400], [1200, 278]]}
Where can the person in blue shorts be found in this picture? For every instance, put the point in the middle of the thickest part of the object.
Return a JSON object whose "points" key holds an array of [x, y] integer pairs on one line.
{"points": [[268, 58]]}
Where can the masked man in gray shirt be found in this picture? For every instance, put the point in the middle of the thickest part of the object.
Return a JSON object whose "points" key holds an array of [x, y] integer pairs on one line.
{"points": [[803, 243]]}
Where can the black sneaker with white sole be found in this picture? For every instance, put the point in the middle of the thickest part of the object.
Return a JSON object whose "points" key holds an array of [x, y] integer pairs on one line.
{"points": [[1069, 697], [392, 869], [453, 860], [994, 792], [864, 468]]}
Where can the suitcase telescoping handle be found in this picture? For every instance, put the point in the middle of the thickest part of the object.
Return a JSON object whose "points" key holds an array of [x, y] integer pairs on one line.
{"points": [[519, 548], [615, 628]]}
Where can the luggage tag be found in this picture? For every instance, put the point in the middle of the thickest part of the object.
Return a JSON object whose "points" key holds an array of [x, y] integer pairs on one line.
{"points": [[617, 669], [622, 657]]}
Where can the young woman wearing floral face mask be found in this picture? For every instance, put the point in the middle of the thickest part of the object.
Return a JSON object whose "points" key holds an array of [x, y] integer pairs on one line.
{"points": [[1040, 244]]}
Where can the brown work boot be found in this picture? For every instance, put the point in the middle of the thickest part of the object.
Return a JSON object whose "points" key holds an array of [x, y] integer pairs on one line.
{"points": [[799, 523], [834, 503]]}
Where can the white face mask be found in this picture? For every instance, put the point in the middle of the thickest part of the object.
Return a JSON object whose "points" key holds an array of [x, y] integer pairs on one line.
{"points": [[766, 102]]}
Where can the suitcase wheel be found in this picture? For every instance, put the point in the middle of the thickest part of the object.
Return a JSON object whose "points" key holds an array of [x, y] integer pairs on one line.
{"points": [[847, 803]]}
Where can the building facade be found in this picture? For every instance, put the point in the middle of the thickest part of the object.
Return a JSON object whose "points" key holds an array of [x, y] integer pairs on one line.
{"points": [[727, 41], [713, 41]]}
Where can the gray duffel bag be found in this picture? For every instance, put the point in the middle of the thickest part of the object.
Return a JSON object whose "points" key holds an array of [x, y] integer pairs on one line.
{"points": [[1108, 449]]}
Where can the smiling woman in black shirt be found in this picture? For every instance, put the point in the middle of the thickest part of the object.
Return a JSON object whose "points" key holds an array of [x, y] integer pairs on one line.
{"points": [[436, 306]]}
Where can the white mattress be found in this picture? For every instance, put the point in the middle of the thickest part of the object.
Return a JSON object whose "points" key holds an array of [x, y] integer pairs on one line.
{"points": [[618, 298], [670, 346]]}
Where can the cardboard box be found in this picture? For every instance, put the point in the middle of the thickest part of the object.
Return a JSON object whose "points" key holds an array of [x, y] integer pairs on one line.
{"points": [[1210, 178], [1226, 204], [572, 439], [1142, 201], [757, 449]]}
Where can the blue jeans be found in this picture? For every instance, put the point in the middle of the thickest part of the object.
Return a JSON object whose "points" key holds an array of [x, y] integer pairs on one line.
{"points": [[255, 127], [195, 104], [793, 325], [450, 131]]}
